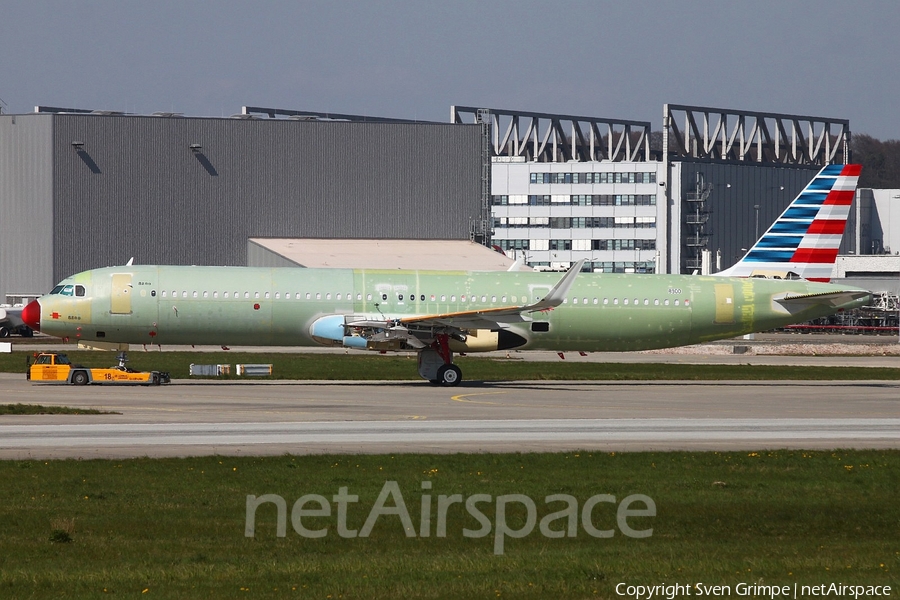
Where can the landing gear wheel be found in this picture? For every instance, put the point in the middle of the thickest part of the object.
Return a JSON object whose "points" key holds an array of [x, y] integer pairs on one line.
{"points": [[4, 332], [449, 375], [79, 378]]}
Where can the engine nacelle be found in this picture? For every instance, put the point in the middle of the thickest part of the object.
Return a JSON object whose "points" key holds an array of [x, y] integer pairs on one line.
{"points": [[329, 330], [332, 330], [487, 340]]}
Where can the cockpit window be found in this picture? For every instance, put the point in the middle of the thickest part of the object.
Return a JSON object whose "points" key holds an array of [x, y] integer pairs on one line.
{"points": [[69, 290], [57, 289], [79, 290]]}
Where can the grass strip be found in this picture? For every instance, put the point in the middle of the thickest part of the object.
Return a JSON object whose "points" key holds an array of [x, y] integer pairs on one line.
{"points": [[403, 367], [175, 528]]}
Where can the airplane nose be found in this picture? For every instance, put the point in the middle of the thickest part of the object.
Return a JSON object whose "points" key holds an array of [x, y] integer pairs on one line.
{"points": [[31, 315]]}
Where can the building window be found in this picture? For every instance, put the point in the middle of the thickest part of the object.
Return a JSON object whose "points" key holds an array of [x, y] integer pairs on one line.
{"points": [[627, 244], [604, 177], [512, 244]]}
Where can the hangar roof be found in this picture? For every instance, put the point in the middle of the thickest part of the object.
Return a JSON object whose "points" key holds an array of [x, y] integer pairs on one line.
{"points": [[386, 254]]}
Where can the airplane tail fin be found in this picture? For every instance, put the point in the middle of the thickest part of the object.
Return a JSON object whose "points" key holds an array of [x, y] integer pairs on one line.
{"points": [[804, 240]]}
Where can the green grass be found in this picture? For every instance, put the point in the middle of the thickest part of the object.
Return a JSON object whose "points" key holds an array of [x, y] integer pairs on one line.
{"points": [[175, 527], [403, 367], [37, 409]]}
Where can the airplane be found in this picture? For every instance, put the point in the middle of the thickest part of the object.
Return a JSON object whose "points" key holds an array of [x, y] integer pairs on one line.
{"points": [[439, 313], [11, 322]]}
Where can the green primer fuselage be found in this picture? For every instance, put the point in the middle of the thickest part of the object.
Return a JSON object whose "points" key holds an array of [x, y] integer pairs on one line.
{"points": [[232, 306]]}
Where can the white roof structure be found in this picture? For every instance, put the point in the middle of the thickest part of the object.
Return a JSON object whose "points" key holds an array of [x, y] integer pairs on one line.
{"points": [[376, 254]]}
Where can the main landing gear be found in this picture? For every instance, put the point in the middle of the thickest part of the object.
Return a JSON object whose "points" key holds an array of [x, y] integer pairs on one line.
{"points": [[436, 363]]}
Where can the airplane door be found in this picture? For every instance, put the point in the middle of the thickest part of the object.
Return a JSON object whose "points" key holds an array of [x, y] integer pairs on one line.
{"points": [[120, 294], [724, 304]]}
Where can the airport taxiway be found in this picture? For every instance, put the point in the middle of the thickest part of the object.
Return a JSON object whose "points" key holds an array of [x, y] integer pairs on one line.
{"points": [[256, 418]]}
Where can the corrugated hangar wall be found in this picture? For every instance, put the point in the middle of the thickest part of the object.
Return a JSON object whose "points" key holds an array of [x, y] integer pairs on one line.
{"points": [[135, 188], [26, 205], [735, 190]]}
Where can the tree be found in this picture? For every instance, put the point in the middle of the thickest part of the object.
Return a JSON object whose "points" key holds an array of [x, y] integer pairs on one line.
{"points": [[880, 161]]}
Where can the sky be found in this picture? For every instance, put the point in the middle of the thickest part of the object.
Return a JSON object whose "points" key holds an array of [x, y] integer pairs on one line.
{"points": [[621, 59]]}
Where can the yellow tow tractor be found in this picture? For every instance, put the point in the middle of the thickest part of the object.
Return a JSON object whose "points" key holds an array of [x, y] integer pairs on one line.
{"points": [[55, 367]]}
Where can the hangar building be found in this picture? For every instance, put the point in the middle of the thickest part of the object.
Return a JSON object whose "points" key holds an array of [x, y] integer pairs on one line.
{"points": [[83, 189]]}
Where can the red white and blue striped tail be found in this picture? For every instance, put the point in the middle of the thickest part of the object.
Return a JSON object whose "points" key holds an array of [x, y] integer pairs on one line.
{"points": [[804, 240]]}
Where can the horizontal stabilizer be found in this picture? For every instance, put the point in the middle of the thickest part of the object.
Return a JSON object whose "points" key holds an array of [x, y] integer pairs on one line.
{"points": [[834, 299]]}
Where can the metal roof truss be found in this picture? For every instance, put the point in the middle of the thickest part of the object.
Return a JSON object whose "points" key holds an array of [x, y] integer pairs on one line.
{"points": [[733, 135]]}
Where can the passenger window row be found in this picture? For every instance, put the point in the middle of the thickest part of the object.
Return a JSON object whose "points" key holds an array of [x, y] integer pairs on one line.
{"points": [[470, 298]]}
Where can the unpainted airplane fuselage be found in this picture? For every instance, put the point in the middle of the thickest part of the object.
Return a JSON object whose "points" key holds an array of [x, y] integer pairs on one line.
{"points": [[231, 306]]}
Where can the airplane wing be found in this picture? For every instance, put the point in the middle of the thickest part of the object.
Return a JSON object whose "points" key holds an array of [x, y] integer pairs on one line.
{"points": [[834, 299], [489, 318]]}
